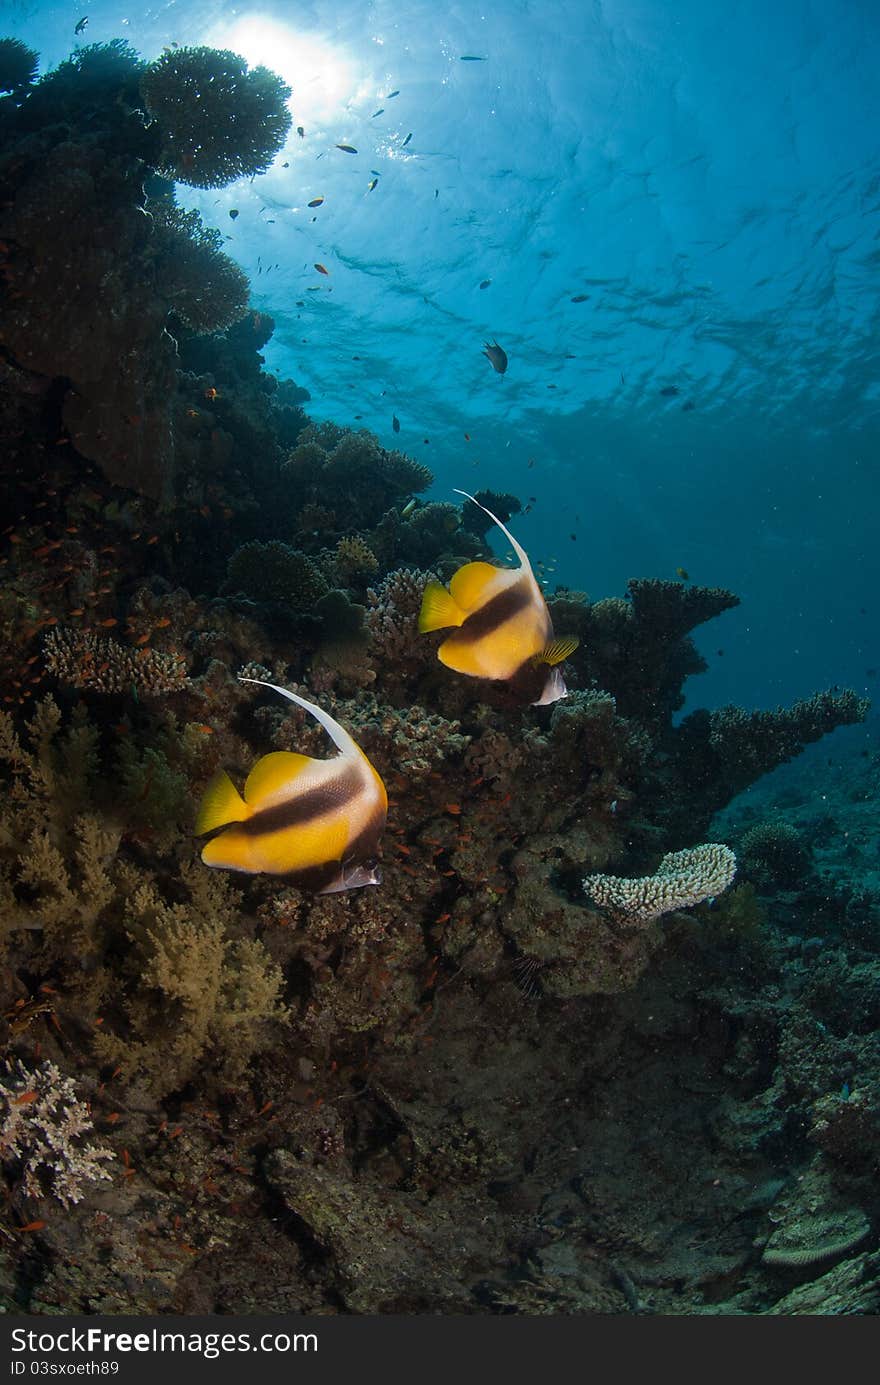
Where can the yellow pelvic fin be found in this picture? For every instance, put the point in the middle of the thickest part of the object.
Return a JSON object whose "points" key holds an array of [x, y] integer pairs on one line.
{"points": [[221, 804], [438, 609], [468, 586], [272, 775], [557, 650]]}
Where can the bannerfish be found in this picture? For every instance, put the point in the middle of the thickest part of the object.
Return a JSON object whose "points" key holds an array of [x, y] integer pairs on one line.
{"points": [[316, 822], [504, 628], [496, 355]]}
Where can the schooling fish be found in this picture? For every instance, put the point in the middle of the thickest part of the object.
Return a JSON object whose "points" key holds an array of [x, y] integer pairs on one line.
{"points": [[316, 822], [347, 148], [504, 628], [494, 353]]}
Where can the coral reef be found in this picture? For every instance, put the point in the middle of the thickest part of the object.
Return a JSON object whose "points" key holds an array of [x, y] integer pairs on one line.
{"points": [[681, 879], [774, 853], [275, 572], [218, 119], [18, 64], [205, 288], [475, 1089], [44, 1134], [80, 659]]}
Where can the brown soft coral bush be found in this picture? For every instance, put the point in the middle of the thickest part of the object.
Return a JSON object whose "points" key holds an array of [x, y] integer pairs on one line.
{"points": [[194, 990], [168, 961]]}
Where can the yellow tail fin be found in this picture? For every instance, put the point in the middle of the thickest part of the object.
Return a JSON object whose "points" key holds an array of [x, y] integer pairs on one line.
{"points": [[438, 609], [221, 804]]}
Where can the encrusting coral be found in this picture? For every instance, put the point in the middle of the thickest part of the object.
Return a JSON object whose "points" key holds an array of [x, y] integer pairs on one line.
{"points": [[218, 119], [681, 879]]}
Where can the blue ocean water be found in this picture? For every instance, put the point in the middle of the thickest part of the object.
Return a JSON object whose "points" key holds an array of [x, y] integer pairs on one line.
{"points": [[633, 198]]}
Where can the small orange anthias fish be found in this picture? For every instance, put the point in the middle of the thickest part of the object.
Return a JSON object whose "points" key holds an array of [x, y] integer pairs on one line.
{"points": [[496, 354], [316, 822], [504, 628]]}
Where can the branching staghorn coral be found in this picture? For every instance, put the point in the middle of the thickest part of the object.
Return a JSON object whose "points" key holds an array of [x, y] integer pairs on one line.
{"points": [[80, 659], [218, 120], [43, 1130], [682, 878], [393, 615]]}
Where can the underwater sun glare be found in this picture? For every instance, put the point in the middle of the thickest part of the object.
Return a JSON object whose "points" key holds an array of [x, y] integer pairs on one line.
{"points": [[322, 76]]}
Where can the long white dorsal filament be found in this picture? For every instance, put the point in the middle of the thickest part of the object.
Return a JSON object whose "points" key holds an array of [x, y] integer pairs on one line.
{"points": [[337, 733]]}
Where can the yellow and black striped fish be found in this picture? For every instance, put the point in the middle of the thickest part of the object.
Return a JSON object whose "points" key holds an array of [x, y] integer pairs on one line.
{"points": [[317, 822], [504, 628]]}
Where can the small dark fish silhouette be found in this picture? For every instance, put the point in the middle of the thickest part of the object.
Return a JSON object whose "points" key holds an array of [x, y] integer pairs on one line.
{"points": [[380, 111], [321, 270], [392, 93], [233, 213], [395, 423], [347, 148], [372, 183], [669, 390], [580, 298], [316, 201], [287, 165], [300, 131], [81, 24], [496, 355], [469, 58], [683, 574], [720, 653], [686, 408], [407, 140], [485, 284]]}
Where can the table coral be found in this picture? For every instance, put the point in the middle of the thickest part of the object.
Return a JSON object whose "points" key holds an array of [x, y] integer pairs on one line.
{"points": [[219, 120], [18, 64]]}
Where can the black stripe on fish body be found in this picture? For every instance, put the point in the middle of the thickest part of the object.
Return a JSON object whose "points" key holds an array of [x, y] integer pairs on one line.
{"points": [[365, 846], [324, 801], [496, 612], [363, 851], [313, 879]]}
